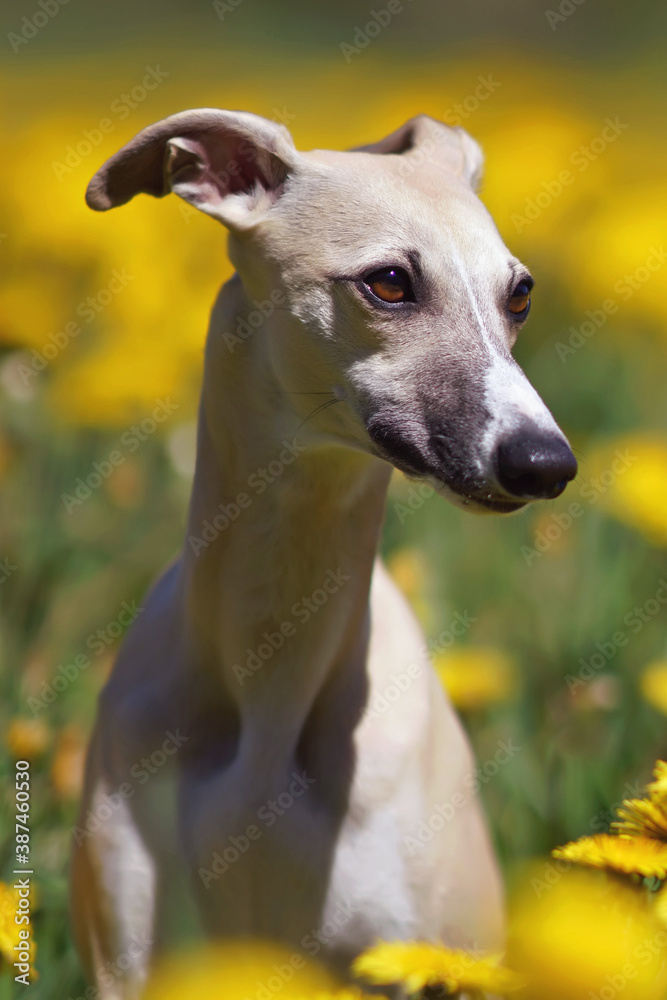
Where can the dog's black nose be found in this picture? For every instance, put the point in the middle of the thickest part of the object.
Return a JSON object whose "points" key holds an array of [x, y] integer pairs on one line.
{"points": [[535, 468]]}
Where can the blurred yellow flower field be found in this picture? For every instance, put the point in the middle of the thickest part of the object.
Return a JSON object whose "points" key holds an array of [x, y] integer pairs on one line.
{"points": [[82, 326], [476, 676], [653, 685], [547, 630], [582, 938], [27, 738], [236, 970], [638, 498]]}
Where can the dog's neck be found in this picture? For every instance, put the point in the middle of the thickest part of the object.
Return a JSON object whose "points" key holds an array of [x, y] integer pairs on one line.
{"points": [[281, 540]]}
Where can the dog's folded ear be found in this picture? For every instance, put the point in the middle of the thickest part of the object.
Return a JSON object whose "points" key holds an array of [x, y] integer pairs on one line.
{"points": [[229, 164], [424, 139]]}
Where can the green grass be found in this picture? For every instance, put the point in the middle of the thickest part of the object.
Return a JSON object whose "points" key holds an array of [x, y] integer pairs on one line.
{"points": [[73, 572]]}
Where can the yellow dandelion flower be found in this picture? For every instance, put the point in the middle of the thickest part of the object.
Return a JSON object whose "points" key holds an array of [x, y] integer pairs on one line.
{"points": [[615, 241], [626, 855], [641, 818], [27, 738], [635, 495], [660, 905], [416, 965], [351, 993], [9, 932], [408, 569], [9, 929], [583, 938], [68, 763], [646, 817], [476, 676], [657, 788], [241, 969], [653, 685]]}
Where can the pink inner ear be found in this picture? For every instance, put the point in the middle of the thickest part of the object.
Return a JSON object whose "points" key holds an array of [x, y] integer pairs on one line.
{"points": [[230, 163], [222, 152], [239, 164], [206, 170]]}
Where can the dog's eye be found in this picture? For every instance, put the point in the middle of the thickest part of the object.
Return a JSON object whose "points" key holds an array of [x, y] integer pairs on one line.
{"points": [[519, 302], [391, 284]]}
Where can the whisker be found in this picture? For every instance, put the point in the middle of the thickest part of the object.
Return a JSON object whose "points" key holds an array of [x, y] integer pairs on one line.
{"points": [[317, 409]]}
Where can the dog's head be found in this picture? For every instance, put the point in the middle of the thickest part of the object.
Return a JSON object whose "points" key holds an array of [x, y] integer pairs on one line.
{"points": [[402, 300]]}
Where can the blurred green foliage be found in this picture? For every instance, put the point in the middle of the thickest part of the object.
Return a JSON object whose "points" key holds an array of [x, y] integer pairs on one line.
{"points": [[581, 749]]}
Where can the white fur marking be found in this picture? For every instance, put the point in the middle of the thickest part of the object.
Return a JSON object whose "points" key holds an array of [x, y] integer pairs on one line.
{"points": [[461, 268], [512, 400]]}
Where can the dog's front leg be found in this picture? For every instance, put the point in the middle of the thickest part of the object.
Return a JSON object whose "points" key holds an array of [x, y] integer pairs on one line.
{"points": [[113, 892]]}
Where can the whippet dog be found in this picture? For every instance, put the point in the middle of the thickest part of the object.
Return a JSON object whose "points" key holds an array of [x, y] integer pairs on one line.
{"points": [[281, 799]]}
